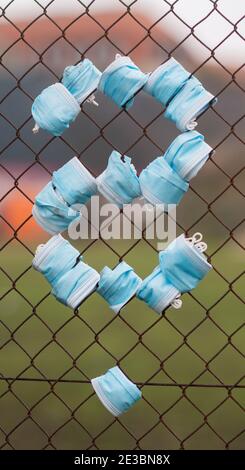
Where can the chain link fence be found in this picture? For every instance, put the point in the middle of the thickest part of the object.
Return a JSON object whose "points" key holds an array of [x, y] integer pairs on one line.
{"points": [[188, 363]]}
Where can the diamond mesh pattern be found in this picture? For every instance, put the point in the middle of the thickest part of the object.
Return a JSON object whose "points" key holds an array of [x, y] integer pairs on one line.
{"points": [[189, 364]]}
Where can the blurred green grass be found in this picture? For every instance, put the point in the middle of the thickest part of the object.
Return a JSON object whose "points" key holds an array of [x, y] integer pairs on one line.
{"points": [[43, 333]]}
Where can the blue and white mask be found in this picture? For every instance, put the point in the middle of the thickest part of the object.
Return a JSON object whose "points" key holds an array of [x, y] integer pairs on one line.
{"points": [[160, 184], [121, 80], [166, 179], [81, 80], [54, 109], [181, 267], [58, 105], [188, 104], [157, 291], [74, 182], [166, 81], [71, 184], [71, 280], [76, 285], [184, 263], [55, 258], [187, 154], [116, 391], [119, 183], [118, 285]]}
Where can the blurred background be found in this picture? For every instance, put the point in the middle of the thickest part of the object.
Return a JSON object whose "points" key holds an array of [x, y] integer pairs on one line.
{"points": [[189, 362]]}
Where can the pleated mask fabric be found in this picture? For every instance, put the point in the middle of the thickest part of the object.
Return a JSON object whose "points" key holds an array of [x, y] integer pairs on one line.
{"points": [[117, 393], [183, 95], [181, 267], [81, 80], [184, 264], [58, 105], [51, 212], [160, 184], [71, 279], [166, 81], [54, 109], [121, 80], [55, 258], [71, 185], [119, 182], [156, 291], [74, 182], [187, 154], [76, 284], [188, 104]]}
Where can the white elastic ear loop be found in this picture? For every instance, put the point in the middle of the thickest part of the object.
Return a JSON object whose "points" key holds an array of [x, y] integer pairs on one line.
{"points": [[196, 240], [191, 125], [39, 248], [117, 56], [35, 129], [91, 99], [177, 302]]}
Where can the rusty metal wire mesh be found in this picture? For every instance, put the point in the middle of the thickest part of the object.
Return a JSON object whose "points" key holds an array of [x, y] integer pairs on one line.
{"points": [[188, 364]]}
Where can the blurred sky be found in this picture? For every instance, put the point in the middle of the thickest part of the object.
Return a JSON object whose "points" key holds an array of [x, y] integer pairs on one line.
{"points": [[211, 32]]}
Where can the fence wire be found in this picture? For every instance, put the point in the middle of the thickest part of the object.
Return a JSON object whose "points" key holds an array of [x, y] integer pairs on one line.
{"points": [[53, 406]]}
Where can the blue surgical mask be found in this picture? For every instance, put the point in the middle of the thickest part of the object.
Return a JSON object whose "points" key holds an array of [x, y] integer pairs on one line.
{"points": [[166, 81], [156, 291], [187, 154], [188, 104], [116, 391], [72, 184], [54, 109], [184, 263], [181, 267], [119, 183], [166, 179], [76, 285], [121, 80], [58, 105], [160, 184], [119, 285], [71, 280], [51, 212], [55, 258], [81, 80]]}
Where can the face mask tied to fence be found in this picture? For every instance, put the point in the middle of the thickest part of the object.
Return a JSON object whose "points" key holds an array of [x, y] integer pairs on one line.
{"points": [[71, 185], [183, 96], [166, 179], [121, 80], [118, 285], [181, 267], [58, 105], [60, 263], [116, 391], [119, 183]]}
